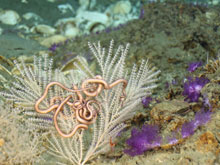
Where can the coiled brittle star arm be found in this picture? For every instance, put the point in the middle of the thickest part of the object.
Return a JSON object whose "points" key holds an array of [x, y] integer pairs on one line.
{"points": [[102, 83], [85, 110], [66, 135], [53, 106]]}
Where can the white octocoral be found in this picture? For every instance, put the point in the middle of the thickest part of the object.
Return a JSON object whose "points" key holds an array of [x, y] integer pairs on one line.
{"points": [[85, 144], [80, 149]]}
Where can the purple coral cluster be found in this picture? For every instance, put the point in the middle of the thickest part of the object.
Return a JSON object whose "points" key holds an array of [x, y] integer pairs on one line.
{"points": [[193, 87], [188, 128], [149, 138], [142, 140]]}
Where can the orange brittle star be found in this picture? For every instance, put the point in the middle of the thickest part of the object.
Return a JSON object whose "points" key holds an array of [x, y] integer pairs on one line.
{"points": [[84, 111]]}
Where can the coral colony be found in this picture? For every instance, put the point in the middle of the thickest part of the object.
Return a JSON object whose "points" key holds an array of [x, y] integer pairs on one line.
{"points": [[193, 87], [201, 118], [146, 101], [82, 113], [53, 47], [193, 66], [149, 137], [145, 139]]}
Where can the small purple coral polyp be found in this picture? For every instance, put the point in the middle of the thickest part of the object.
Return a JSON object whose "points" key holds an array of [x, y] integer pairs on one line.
{"points": [[193, 66], [146, 101], [193, 87], [142, 140], [53, 47]]}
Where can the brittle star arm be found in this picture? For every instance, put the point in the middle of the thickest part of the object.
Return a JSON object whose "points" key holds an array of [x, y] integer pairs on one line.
{"points": [[87, 115], [84, 112], [66, 135], [101, 83], [54, 106]]}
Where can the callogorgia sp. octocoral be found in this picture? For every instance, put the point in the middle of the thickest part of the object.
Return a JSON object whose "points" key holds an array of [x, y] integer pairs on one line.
{"points": [[81, 147], [85, 144]]}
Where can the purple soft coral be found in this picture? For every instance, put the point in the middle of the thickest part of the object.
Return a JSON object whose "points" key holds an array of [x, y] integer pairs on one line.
{"points": [[146, 101], [188, 129], [145, 139], [148, 137], [201, 118], [193, 87], [54, 46], [193, 66]]}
